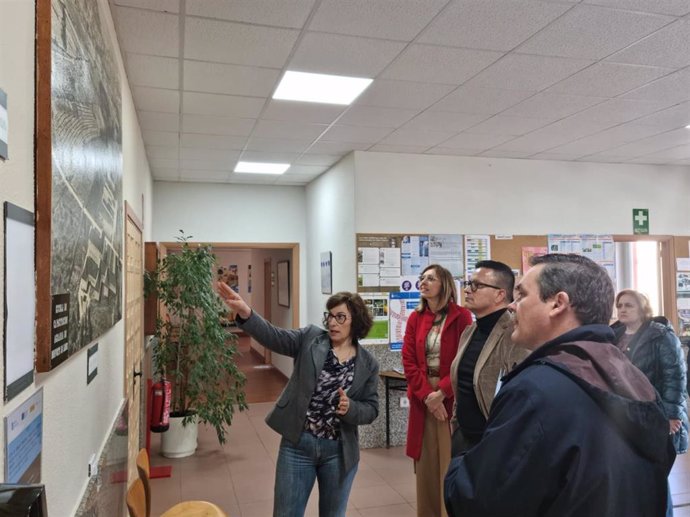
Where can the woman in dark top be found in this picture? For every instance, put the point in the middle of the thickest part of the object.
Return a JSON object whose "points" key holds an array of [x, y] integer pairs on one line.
{"points": [[654, 348], [332, 390]]}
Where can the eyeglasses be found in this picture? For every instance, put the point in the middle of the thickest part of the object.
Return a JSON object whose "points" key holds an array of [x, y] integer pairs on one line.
{"points": [[428, 278], [474, 285], [339, 318]]}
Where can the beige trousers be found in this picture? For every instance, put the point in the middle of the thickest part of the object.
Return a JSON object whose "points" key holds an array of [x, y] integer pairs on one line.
{"points": [[432, 466]]}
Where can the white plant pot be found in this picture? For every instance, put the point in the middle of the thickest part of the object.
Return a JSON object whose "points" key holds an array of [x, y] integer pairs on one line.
{"points": [[179, 440]]}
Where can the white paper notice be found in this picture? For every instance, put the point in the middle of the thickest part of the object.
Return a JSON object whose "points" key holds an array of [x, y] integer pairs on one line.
{"points": [[446, 250], [368, 269], [477, 247], [389, 257], [683, 264], [367, 255], [369, 280], [390, 281], [390, 271]]}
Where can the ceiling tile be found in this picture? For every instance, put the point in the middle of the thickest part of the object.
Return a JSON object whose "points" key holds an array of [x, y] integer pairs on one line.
{"points": [[309, 112], [166, 138], [318, 159], [343, 55], [203, 175], [496, 25], [608, 79], [497, 153], [439, 64], [523, 72], [208, 124], [164, 174], [156, 72], [269, 157], [160, 151], [253, 179], [417, 137], [607, 139], [229, 79], [679, 152], [149, 120], [603, 158], [453, 151], [447, 121], [563, 157], [551, 106], [208, 165], [551, 136], [156, 99], [164, 163], [410, 149], [322, 147], [281, 13], [222, 105], [386, 19], [342, 133], [669, 47], [147, 32], [671, 118], [475, 141], [376, 117], [237, 43], [295, 179], [673, 88], [402, 94], [219, 155], [672, 7], [287, 130], [480, 100], [201, 141], [166, 6], [652, 144], [592, 32], [617, 111], [285, 145], [509, 126], [305, 170]]}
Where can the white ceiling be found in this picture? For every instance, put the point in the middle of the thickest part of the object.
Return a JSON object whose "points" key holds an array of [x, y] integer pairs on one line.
{"points": [[577, 80]]}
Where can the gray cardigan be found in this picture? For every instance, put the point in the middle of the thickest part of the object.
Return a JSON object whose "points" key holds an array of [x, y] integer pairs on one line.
{"points": [[309, 347]]}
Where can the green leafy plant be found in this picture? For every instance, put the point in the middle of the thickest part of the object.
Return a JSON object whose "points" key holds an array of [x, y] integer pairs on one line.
{"points": [[194, 351]]}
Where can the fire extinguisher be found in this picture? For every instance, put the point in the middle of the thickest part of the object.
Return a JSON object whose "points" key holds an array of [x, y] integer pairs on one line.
{"points": [[160, 406]]}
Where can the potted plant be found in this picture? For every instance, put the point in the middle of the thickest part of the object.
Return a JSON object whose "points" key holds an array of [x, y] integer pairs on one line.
{"points": [[194, 351]]}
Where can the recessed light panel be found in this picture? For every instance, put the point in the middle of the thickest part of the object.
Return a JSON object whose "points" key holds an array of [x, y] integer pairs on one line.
{"points": [[261, 168], [327, 89]]}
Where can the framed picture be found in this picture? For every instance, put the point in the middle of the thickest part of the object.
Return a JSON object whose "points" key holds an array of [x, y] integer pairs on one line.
{"points": [[326, 272], [79, 200], [284, 283]]}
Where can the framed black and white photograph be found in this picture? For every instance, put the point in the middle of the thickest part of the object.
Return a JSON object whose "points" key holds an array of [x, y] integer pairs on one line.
{"points": [[284, 283], [326, 272]]}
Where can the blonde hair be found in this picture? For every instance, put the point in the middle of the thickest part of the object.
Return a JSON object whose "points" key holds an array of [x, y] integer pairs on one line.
{"points": [[448, 292], [642, 302]]}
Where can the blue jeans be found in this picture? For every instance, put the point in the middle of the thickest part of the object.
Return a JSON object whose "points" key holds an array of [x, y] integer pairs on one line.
{"points": [[300, 465]]}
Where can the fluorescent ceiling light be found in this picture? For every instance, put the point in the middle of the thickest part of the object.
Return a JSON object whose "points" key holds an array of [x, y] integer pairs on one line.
{"points": [[687, 127], [328, 89], [261, 168]]}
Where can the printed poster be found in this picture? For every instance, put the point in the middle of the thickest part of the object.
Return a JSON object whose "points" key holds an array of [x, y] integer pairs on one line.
{"points": [[477, 247], [377, 303], [447, 250], [414, 254], [400, 306], [531, 251], [24, 441]]}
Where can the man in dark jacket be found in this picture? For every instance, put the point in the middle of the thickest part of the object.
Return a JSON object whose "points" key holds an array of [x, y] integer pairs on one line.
{"points": [[576, 430]]}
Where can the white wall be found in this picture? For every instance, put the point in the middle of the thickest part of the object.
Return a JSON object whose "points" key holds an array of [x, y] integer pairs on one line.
{"points": [[233, 214], [417, 193], [77, 418], [331, 227]]}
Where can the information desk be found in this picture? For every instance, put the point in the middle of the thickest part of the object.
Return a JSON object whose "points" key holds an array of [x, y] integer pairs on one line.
{"points": [[395, 381]]}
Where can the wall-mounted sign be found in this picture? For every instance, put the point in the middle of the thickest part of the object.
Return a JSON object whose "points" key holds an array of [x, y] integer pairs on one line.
{"points": [[59, 347], [24, 441], [641, 221], [4, 125]]}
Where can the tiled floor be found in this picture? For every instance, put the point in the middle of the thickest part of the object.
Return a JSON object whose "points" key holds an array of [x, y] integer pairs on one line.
{"points": [[239, 475]]}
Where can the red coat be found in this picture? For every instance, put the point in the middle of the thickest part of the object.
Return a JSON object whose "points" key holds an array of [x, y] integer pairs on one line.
{"points": [[414, 362]]}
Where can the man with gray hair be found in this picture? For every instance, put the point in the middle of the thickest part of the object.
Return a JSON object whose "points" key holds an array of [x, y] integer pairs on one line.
{"points": [[576, 430]]}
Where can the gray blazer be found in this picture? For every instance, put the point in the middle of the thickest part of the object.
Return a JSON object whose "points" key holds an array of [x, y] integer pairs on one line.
{"points": [[309, 347]]}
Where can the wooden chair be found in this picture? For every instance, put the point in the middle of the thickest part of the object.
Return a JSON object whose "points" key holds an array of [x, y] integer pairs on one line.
{"points": [[139, 497]]}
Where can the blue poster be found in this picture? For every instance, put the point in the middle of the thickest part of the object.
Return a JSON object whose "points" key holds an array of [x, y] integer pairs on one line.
{"points": [[23, 441]]}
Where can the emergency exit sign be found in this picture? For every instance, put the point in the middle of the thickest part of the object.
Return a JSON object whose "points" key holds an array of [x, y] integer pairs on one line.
{"points": [[641, 221]]}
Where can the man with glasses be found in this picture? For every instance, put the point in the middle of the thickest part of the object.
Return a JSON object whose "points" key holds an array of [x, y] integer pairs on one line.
{"points": [[485, 352], [576, 430]]}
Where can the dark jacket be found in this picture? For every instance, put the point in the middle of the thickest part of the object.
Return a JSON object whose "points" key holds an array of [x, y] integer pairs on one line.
{"points": [[309, 347], [655, 350], [575, 431]]}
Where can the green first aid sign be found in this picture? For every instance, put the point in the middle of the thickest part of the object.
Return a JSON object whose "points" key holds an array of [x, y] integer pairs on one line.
{"points": [[641, 221]]}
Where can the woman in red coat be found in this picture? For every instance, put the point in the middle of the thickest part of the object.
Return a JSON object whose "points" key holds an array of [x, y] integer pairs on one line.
{"points": [[431, 342]]}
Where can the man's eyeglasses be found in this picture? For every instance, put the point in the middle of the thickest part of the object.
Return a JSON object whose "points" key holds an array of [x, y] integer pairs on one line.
{"points": [[339, 318], [474, 285]]}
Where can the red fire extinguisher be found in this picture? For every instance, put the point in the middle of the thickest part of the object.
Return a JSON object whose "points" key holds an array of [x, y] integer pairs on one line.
{"points": [[160, 406]]}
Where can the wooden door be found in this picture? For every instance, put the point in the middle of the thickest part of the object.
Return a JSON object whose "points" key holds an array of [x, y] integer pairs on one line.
{"points": [[134, 335], [267, 303]]}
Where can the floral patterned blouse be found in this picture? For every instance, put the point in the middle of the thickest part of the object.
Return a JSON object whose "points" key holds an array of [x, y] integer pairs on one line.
{"points": [[321, 420]]}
